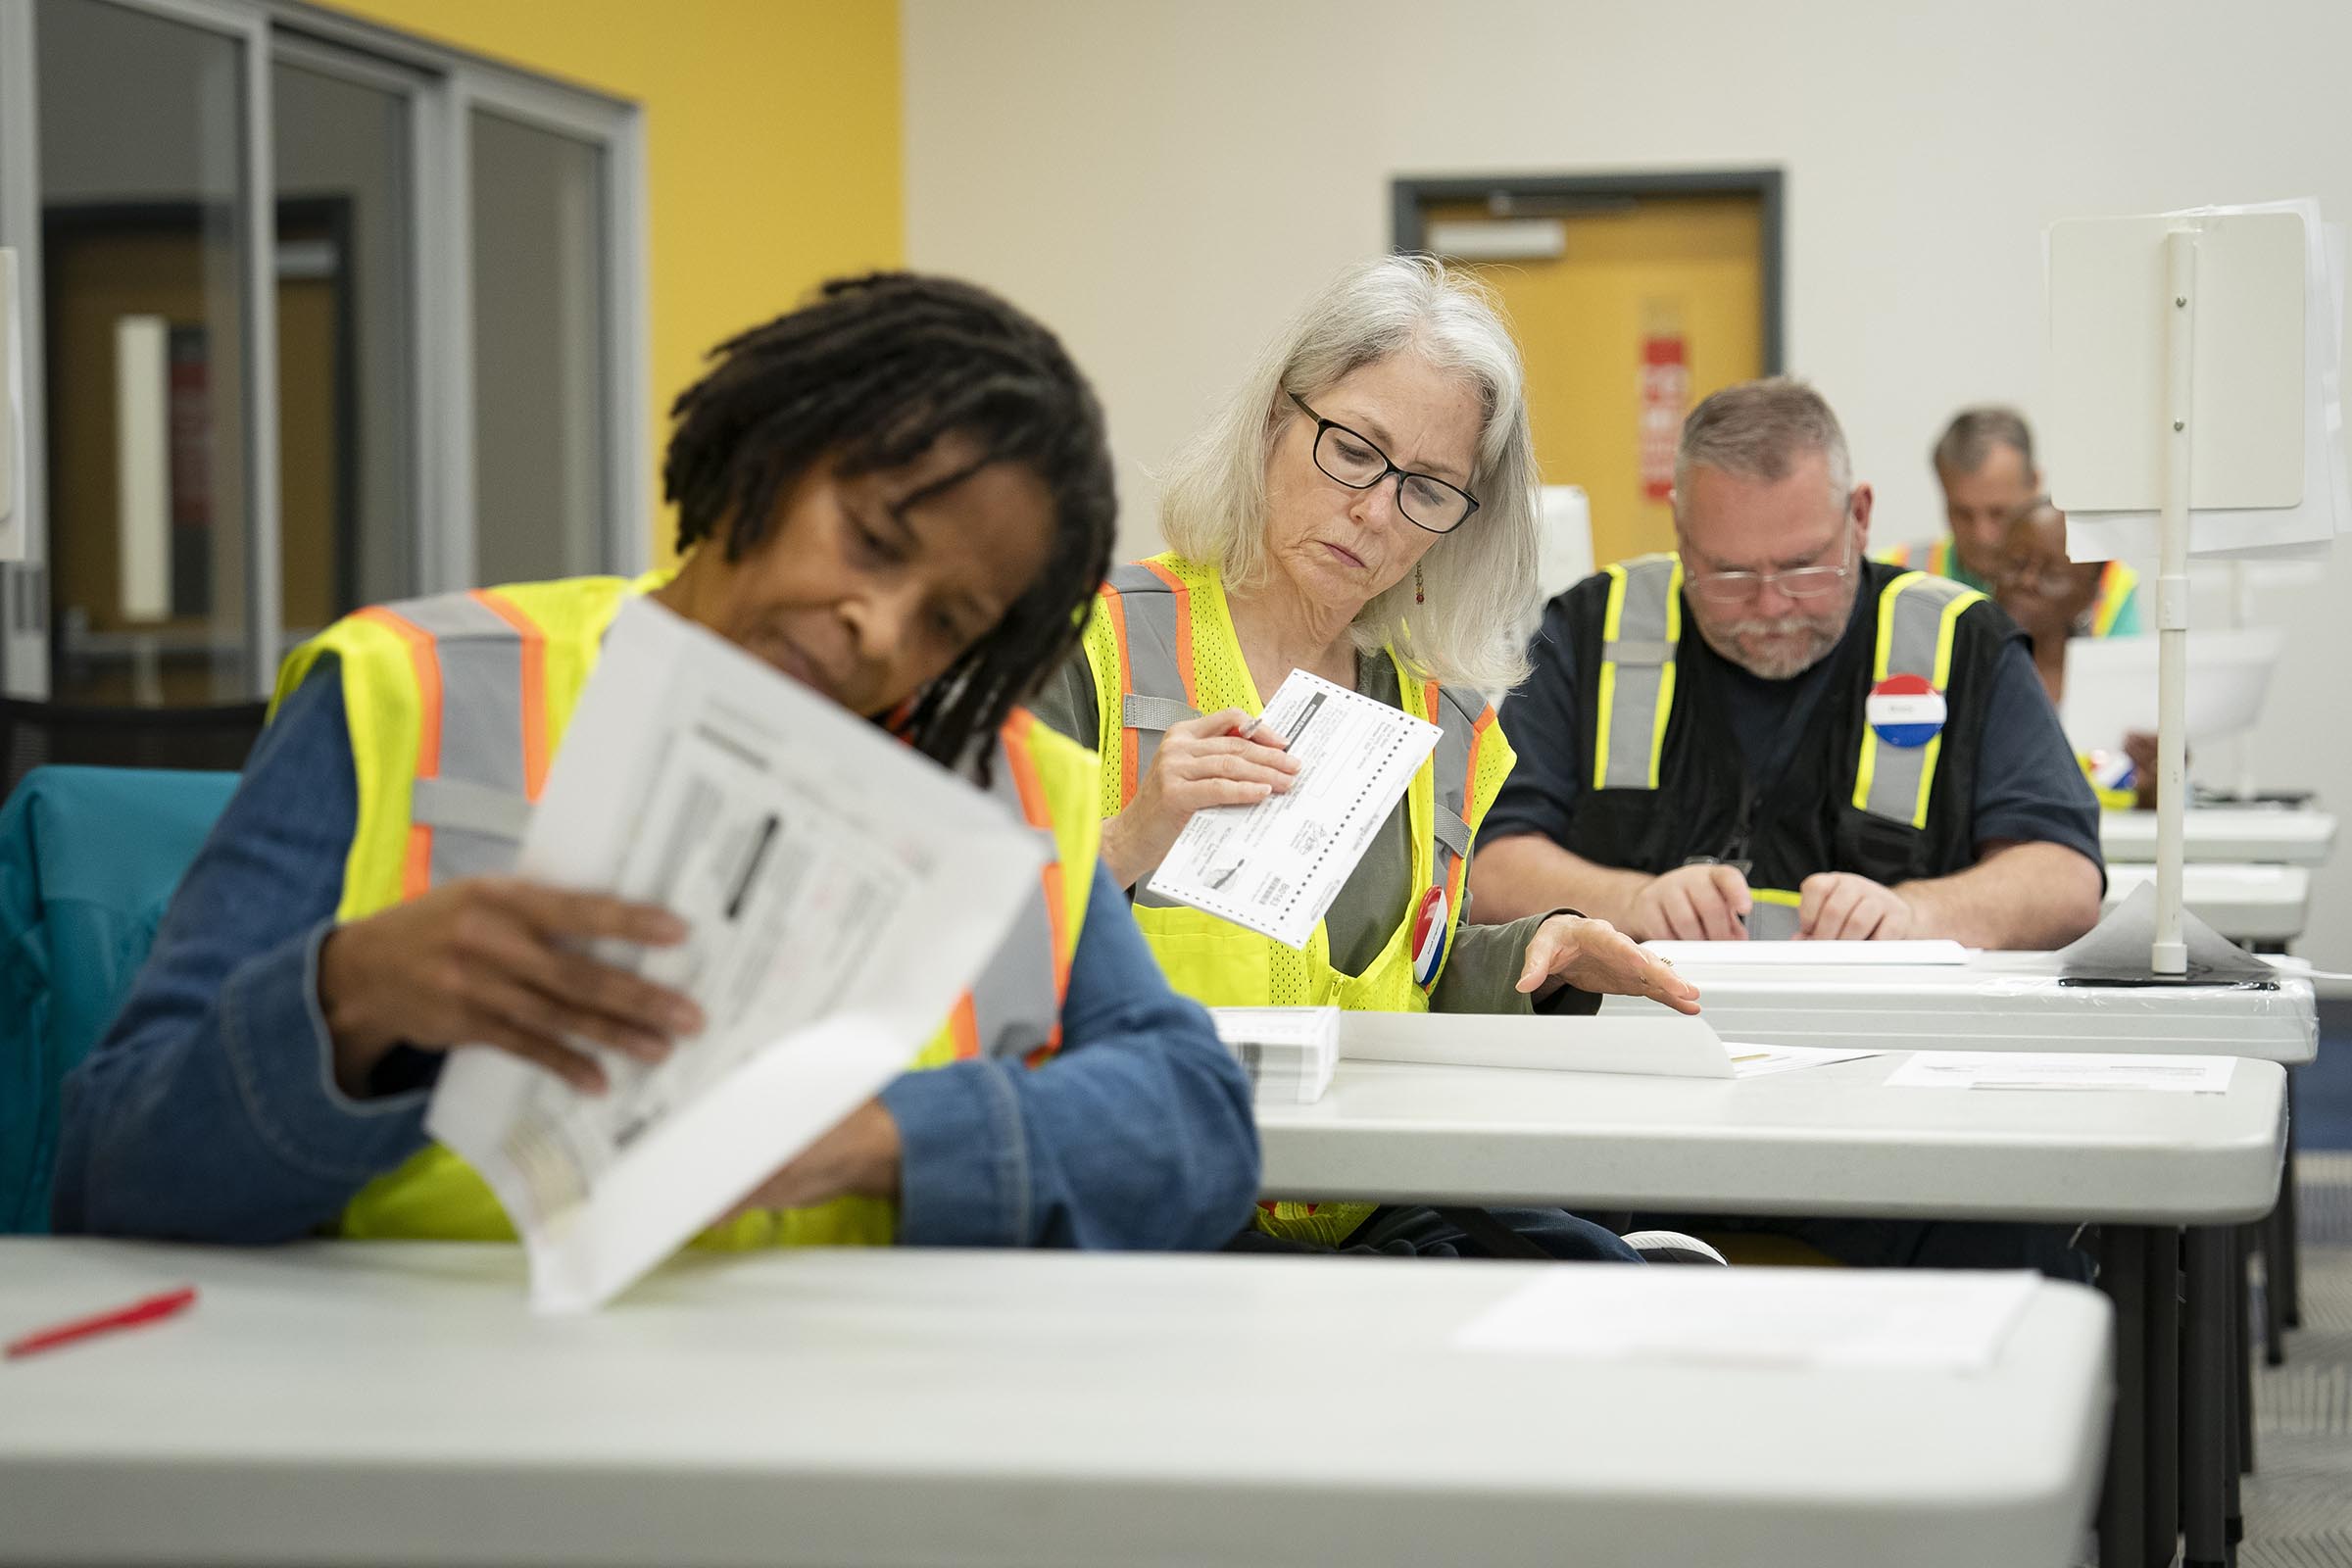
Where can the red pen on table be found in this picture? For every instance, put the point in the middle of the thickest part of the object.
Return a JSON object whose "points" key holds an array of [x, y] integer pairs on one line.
{"points": [[151, 1310]]}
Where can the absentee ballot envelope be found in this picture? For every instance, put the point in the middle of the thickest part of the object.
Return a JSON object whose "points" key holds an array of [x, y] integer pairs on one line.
{"points": [[842, 893], [1276, 866]]}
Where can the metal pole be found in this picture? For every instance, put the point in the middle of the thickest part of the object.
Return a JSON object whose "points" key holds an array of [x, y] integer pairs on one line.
{"points": [[2170, 953]]}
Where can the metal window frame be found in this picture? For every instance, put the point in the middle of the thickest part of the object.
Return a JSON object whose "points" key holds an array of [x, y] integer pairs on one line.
{"points": [[445, 86]]}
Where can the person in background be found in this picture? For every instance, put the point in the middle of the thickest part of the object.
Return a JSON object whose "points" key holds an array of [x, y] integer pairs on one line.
{"points": [[2053, 600], [1363, 509], [1844, 750], [1985, 463], [1765, 733], [899, 496]]}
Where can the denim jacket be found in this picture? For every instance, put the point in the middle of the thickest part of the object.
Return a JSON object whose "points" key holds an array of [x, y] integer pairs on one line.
{"points": [[210, 1111]]}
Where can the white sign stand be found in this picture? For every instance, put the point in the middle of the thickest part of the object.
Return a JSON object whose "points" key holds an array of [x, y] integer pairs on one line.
{"points": [[2177, 353]]}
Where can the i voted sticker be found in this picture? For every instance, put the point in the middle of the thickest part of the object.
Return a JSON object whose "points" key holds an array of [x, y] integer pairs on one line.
{"points": [[1905, 711], [1429, 936], [2113, 770]]}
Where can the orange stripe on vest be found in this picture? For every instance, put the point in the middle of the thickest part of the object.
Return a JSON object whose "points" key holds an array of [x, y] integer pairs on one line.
{"points": [[416, 863]]}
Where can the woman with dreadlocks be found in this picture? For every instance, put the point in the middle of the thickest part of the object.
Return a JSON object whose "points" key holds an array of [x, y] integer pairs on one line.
{"points": [[899, 496]]}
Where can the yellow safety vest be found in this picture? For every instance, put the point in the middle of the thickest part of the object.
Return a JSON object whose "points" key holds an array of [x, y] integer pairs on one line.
{"points": [[1640, 632], [1162, 650], [2117, 584], [456, 704]]}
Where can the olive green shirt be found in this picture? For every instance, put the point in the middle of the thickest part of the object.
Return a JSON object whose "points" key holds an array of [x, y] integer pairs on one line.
{"points": [[1482, 973]]}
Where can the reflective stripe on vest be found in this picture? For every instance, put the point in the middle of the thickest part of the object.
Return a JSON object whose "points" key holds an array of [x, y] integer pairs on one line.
{"points": [[1917, 614], [2116, 586], [1014, 1007], [481, 759], [1772, 914], [1639, 634]]}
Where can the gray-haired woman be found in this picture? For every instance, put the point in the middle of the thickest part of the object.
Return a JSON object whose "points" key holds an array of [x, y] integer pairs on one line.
{"points": [[1364, 510]]}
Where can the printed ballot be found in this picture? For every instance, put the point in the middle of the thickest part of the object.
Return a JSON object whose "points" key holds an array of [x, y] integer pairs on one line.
{"points": [[1276, 866], [841, 893]]}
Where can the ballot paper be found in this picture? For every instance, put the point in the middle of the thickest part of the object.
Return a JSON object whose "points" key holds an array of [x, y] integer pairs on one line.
{"points": [[2063, 1070], [1808, 954], [1276, 866], [842, 893], [1655, 1042], [1289, 1053], [1761, 1061], [1802, 1317]]}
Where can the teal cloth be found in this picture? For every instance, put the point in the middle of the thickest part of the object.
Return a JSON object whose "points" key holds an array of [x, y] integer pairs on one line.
{"points": [[89, 858]]}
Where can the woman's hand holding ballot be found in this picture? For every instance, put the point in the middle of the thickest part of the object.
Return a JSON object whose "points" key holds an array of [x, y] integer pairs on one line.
{"points": [[495, 960], [1222, 759], [1593, 956]]}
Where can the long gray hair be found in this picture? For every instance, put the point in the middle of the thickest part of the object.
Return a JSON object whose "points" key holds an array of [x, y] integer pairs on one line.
{"points": [[1480, 579]]}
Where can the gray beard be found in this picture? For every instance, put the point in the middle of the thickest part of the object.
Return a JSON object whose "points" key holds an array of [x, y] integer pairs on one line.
{"points": [[1800, 658]]}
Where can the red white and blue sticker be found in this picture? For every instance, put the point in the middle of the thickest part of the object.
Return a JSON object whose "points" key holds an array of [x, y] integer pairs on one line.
{"points": [[2113, 770], [1429, 936], [1905, 711]]}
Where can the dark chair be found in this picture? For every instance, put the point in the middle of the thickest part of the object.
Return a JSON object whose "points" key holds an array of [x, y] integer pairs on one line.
{"points": [[192, 739]]}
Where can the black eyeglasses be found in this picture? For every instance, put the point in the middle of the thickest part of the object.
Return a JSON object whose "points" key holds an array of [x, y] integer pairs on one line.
{"points": [[1427, 500]]}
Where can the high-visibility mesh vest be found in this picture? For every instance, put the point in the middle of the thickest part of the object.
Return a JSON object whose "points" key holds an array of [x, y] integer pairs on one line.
{"points": [[1668, 785], [1162, 650], [456, 704]]}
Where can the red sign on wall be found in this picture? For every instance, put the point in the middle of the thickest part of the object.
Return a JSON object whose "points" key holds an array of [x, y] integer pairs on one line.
{"points": [[1665, 397]]}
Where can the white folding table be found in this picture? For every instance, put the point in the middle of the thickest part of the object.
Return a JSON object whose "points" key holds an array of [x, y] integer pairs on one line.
{"points": [[341, 1403], [2265, 904], [1994, 1002], [2248, 835], [1836, 1141]]}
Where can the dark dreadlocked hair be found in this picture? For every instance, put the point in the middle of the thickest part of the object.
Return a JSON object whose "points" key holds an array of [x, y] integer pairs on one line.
{"points": [[867, 376]]}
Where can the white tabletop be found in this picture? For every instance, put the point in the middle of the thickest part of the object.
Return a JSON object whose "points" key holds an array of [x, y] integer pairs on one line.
{"points": [[340, 1403], [2258, 835], [2244, 902], [1819, 1141], [1995, 1002]]}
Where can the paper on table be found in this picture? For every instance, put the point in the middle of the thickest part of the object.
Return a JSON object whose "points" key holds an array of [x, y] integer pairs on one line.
{"points": [[1289, 1053], [810, 853], [2063, 1070], [1276, 866], [1955, 1322], [1809, 955], [1760, 1062], [1661, 1044]]}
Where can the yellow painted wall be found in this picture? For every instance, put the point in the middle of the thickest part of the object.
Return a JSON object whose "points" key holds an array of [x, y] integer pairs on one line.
{"points": [[772, 144]]}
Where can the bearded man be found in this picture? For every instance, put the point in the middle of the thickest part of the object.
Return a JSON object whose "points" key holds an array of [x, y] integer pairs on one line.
{"points": [[1845, 749]]}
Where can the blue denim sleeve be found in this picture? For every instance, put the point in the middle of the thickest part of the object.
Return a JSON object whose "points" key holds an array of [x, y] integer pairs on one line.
{"points": [[2028, 786], [209, 1111], [1137, 1133], [1544, 727]]}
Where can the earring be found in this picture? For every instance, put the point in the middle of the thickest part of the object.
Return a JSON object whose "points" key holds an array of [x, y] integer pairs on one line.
{"points": [[1419, 596]]}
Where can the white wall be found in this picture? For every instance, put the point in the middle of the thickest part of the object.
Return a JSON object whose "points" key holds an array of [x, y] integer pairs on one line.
{"points": [[1166, 181]]}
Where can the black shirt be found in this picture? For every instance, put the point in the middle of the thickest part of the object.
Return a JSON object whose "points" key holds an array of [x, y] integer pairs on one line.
{"points": [[2027, 788]]}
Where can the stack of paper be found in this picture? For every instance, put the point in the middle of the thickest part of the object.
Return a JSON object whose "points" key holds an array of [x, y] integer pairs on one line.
{"points": [[1289, 1053]]}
